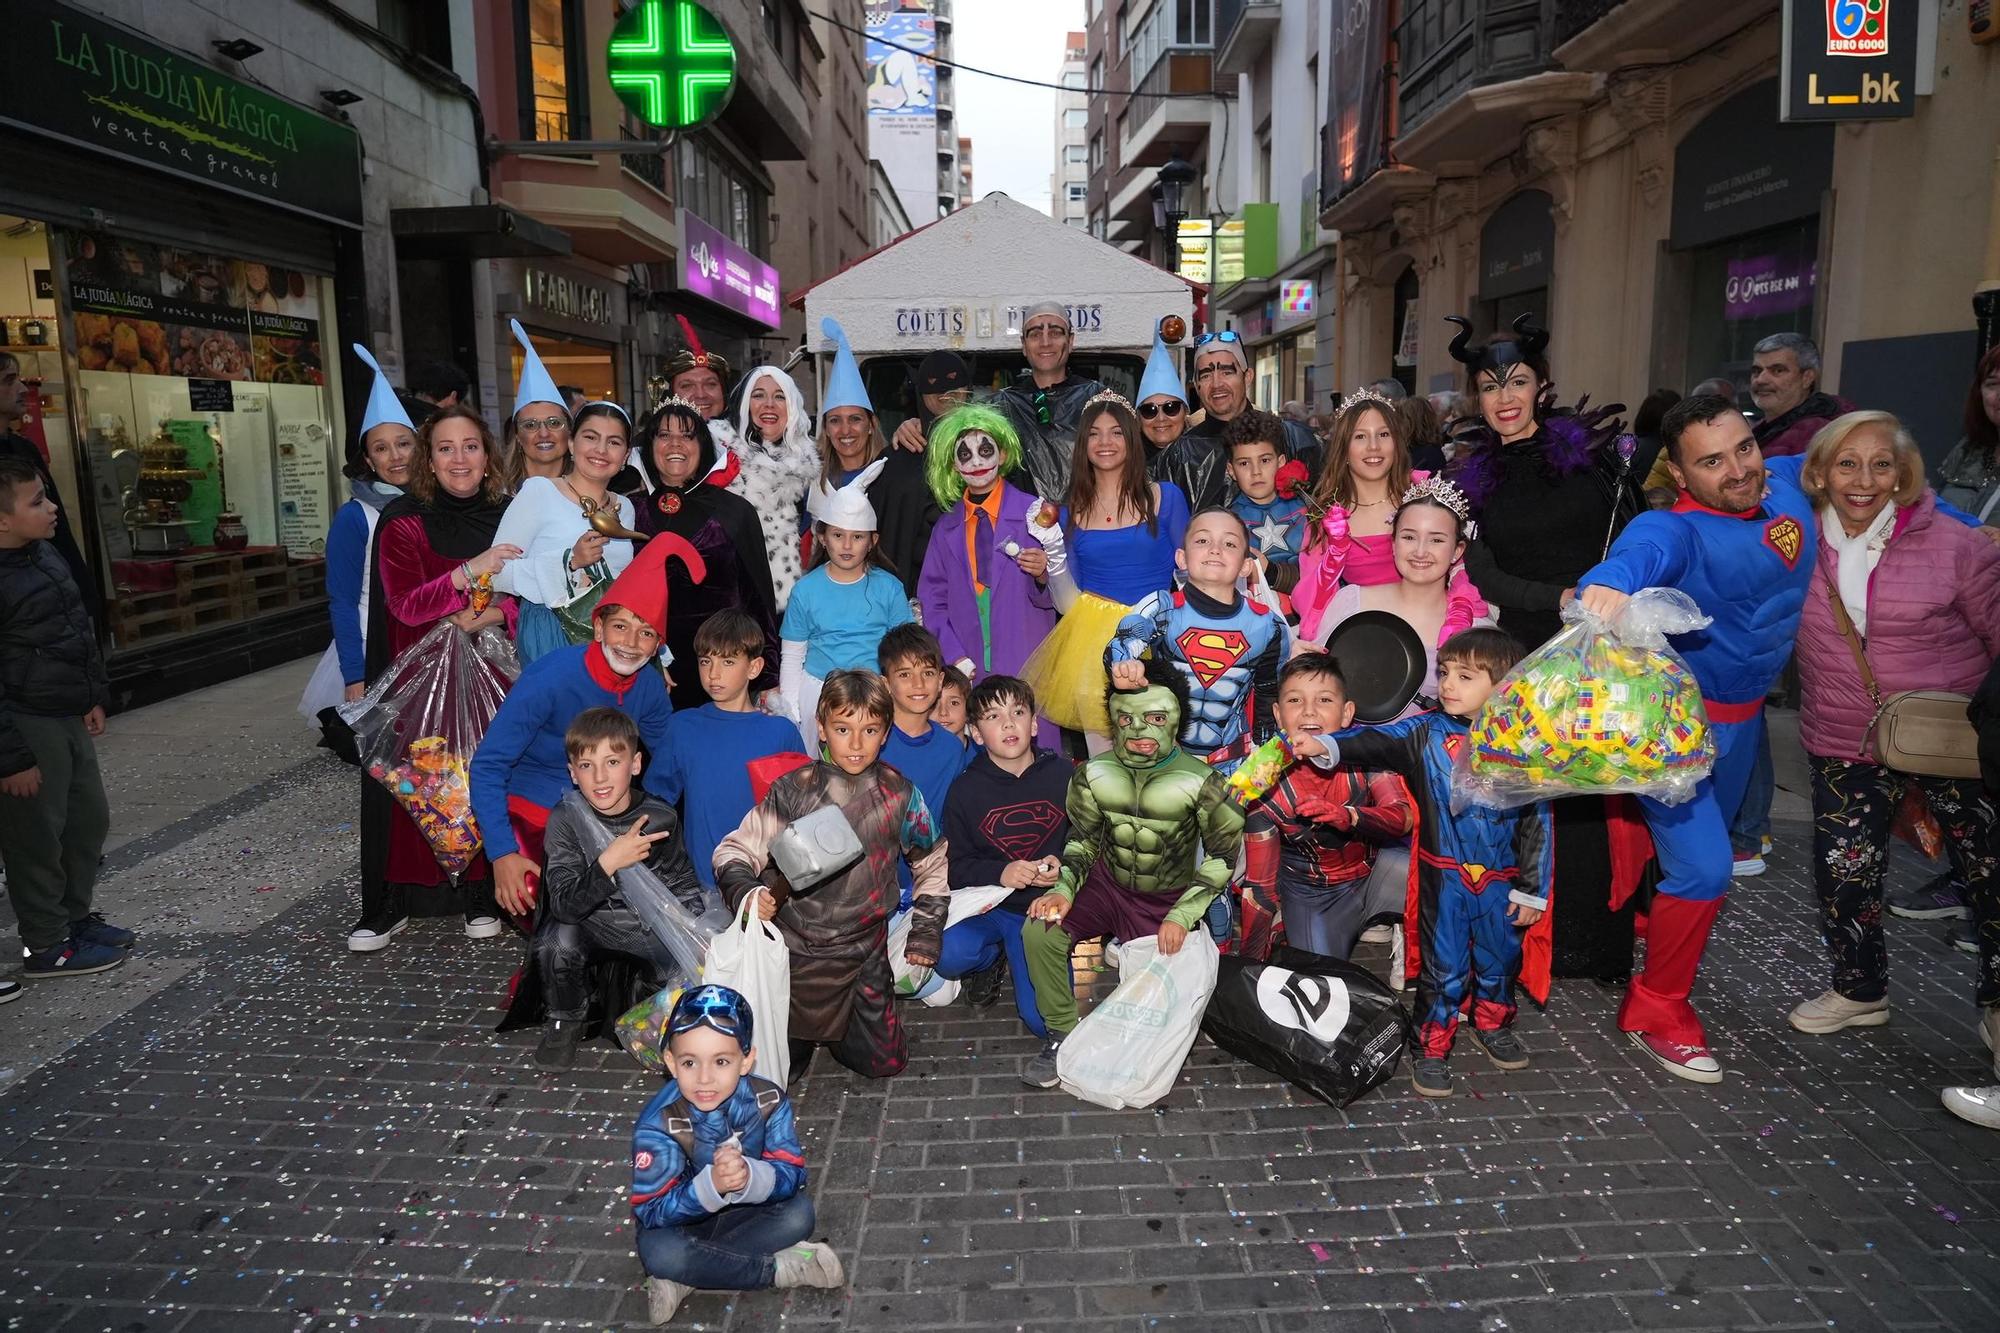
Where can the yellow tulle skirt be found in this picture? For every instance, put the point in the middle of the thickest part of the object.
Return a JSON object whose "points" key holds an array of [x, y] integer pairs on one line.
{"points": [[1067, 671]]}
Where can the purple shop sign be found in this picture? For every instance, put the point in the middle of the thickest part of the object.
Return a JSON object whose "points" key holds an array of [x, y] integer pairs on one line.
{"points": [[718, 269], [1768, 285]]}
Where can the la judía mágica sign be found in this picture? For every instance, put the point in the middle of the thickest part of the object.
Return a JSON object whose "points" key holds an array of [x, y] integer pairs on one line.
{"points": [[92, 82]]}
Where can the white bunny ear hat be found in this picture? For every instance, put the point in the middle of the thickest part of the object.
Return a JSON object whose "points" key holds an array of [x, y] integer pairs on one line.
{"points": [[846, 506]]}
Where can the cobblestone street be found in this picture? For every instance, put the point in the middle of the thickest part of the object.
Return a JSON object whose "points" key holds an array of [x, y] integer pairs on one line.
{"points": [[279, 1135]]}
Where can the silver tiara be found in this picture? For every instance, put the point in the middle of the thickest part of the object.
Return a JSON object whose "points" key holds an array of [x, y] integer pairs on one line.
{"points": [[675, 400], [1109, 396], [1364, 395], [1439, 491]]}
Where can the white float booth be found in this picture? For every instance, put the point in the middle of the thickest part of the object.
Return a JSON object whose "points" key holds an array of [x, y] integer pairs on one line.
{"points": [[966, 282]]}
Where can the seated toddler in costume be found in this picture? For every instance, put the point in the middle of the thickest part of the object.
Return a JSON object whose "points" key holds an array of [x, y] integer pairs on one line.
{"points": [[1483, 877], [718, 1177], [837, 929], [1324, 853], [602, 827], [1007, 821]]}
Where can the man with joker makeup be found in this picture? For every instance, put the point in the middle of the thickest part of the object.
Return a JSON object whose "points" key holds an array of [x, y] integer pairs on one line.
{"points": [[994, 567]]}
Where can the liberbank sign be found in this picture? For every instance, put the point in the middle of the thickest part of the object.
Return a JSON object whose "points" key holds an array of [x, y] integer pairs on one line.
{"points": [[1848, 60], [99, 85]]}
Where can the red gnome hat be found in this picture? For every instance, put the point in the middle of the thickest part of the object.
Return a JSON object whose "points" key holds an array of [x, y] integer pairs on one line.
{"points": [[642, 588]]}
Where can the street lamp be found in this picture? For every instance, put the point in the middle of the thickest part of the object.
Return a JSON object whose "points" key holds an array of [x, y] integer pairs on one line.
{"points": [[1170, 188]]}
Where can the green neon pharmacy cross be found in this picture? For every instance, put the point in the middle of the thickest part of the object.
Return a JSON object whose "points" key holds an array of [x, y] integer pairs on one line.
{"points": [[672, 64]]}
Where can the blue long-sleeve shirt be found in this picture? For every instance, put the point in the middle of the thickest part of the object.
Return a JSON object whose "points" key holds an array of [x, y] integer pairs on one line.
{"points": [[672, 1188], [705, 766], [522, 753], [347, 540], [932, 762]]}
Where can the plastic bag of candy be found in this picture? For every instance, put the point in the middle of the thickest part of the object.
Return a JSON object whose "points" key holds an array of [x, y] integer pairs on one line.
{"points": [[417, 727], [1600, 709]]}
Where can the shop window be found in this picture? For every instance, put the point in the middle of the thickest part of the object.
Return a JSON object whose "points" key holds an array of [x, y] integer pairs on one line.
{"points": [[1745, 289], [553, 79], [718, 189], [200, 429]]}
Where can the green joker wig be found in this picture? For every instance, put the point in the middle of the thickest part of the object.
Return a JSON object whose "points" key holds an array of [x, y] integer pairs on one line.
{"points": [[940, 457]]}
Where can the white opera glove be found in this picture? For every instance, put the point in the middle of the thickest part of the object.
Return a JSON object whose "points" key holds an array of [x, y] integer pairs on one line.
{"points": [[791, 677]]}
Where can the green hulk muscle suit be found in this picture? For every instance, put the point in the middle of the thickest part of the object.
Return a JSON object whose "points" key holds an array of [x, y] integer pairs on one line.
{"points": [[1153, 839]]}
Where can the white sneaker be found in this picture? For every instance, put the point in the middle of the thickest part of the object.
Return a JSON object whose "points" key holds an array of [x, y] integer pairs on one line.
{"points": [[1747, 865], [482, 927], [809, 1265], [368, 939], [1981, 1106], [1112, 953], [1397, 961], [1833, 1011], [663, 1299]]}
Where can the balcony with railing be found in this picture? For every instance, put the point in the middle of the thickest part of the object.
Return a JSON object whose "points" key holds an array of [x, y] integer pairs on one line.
{"points": [[1169, 109], [1445, 48], [648, 167]]}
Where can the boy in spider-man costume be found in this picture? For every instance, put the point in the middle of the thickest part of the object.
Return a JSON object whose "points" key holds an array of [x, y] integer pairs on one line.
{"points": [[1227, 646], [1482, 877]]}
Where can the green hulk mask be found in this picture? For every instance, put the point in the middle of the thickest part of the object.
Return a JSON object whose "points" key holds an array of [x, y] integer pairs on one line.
{"points": [[1145, 726]]}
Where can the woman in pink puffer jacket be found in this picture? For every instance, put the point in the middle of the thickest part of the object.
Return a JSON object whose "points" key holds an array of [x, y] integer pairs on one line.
{"points": [[1922, 591]]}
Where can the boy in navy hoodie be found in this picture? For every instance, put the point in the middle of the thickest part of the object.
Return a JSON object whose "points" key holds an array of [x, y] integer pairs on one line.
{"points": [[1005, 820], [718, 1177], [929, 755]]}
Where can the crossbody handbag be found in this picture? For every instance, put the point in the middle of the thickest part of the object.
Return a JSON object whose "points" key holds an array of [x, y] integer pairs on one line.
{"points": [[1925, 732]]}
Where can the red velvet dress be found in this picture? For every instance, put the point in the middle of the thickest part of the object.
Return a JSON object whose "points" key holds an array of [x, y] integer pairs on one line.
{"points": [[417, 593]]}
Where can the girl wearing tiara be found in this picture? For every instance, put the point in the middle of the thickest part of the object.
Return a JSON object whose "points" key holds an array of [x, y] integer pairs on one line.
{"points": [[1427, 536], [1367, 472], [1121, 530]]}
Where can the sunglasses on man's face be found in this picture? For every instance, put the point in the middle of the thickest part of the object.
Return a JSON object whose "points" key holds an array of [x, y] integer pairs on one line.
{"points": [[1173, 407]]}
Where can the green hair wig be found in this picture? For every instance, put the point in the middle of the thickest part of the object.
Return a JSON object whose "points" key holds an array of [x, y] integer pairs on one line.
{"points": [[940, 457]]}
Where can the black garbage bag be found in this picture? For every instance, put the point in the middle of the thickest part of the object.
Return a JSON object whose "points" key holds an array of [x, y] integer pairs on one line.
{"points": [[1326, 1025]]}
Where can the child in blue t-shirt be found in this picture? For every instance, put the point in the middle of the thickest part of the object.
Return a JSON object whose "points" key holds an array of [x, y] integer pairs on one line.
{"points": [[840, 611], [705, 766], [718, 1176], [930, 755]]}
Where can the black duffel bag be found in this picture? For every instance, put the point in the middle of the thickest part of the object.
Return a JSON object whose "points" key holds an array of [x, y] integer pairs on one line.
{"points": [[1326, 1025]]}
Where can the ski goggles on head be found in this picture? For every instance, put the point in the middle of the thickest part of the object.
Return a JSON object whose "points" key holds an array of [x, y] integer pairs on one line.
{"points": [[1173, 407], [716, 1007]]}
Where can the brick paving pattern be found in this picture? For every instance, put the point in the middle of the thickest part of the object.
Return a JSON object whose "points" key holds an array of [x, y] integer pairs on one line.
{"points": [[297, 1138]]}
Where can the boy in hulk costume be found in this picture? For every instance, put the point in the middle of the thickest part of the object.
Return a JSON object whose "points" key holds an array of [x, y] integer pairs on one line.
{"points": [[1153, 839]]}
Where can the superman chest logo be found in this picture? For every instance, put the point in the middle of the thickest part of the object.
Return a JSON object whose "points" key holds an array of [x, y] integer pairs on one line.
{"points": [[1787, 537], [1454, 746], [1210, 653], [1021, 831]]}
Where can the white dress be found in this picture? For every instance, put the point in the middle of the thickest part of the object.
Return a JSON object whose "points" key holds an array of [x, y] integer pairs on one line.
{"points": [[773, 478], [545, 522]]}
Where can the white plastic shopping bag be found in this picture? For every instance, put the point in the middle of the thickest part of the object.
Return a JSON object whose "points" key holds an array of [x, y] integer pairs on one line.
{"points": [[1130, 1048], [751, 957], [921, 983]]}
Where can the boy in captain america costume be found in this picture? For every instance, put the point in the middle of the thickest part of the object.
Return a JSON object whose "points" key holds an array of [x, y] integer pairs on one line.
{"points": [[1227, 646], [1481, 878], [718, 1177]]}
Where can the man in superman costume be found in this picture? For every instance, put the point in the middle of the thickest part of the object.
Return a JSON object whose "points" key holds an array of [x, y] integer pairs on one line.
{"points": [[1740, 542]]}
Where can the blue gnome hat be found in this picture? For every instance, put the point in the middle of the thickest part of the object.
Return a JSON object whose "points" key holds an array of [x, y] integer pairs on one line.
{"points": [[383, 404], [843, 383], [537, 385], [1162, 375]]}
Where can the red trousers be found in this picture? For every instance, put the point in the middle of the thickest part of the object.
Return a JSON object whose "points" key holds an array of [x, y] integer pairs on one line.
{"points": [[1656, 1001]]}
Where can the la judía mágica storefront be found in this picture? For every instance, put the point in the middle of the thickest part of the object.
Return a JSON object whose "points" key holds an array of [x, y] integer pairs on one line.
{"points": [[177, 250]]}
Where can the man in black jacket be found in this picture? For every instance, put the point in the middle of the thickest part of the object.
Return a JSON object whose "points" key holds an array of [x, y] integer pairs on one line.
{"points": [[12, 392], [1198, 462], [53, 812], [1046, 402]]}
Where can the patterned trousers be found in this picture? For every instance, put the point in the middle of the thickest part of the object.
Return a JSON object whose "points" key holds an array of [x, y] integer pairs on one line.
{"points": [[1853, 806]]}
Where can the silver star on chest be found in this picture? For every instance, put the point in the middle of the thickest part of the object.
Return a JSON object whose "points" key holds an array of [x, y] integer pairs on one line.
{"points": [[1272, 535]]}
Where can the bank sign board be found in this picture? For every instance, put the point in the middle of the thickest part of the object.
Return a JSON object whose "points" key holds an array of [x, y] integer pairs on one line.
{"points": [[101, 86], [1848, 60]]}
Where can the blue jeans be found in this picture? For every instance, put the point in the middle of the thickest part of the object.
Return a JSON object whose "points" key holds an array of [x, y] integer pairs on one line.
{"points": [[730, 1250], [1750, 823], [978, 942]]}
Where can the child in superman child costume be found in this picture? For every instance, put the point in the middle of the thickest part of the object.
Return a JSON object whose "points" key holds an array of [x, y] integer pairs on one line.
{"points": [[1153, 838], [1481, 878]]}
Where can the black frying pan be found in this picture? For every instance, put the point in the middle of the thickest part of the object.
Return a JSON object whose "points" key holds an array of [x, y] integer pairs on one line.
{"points": [[1383, 661]]}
